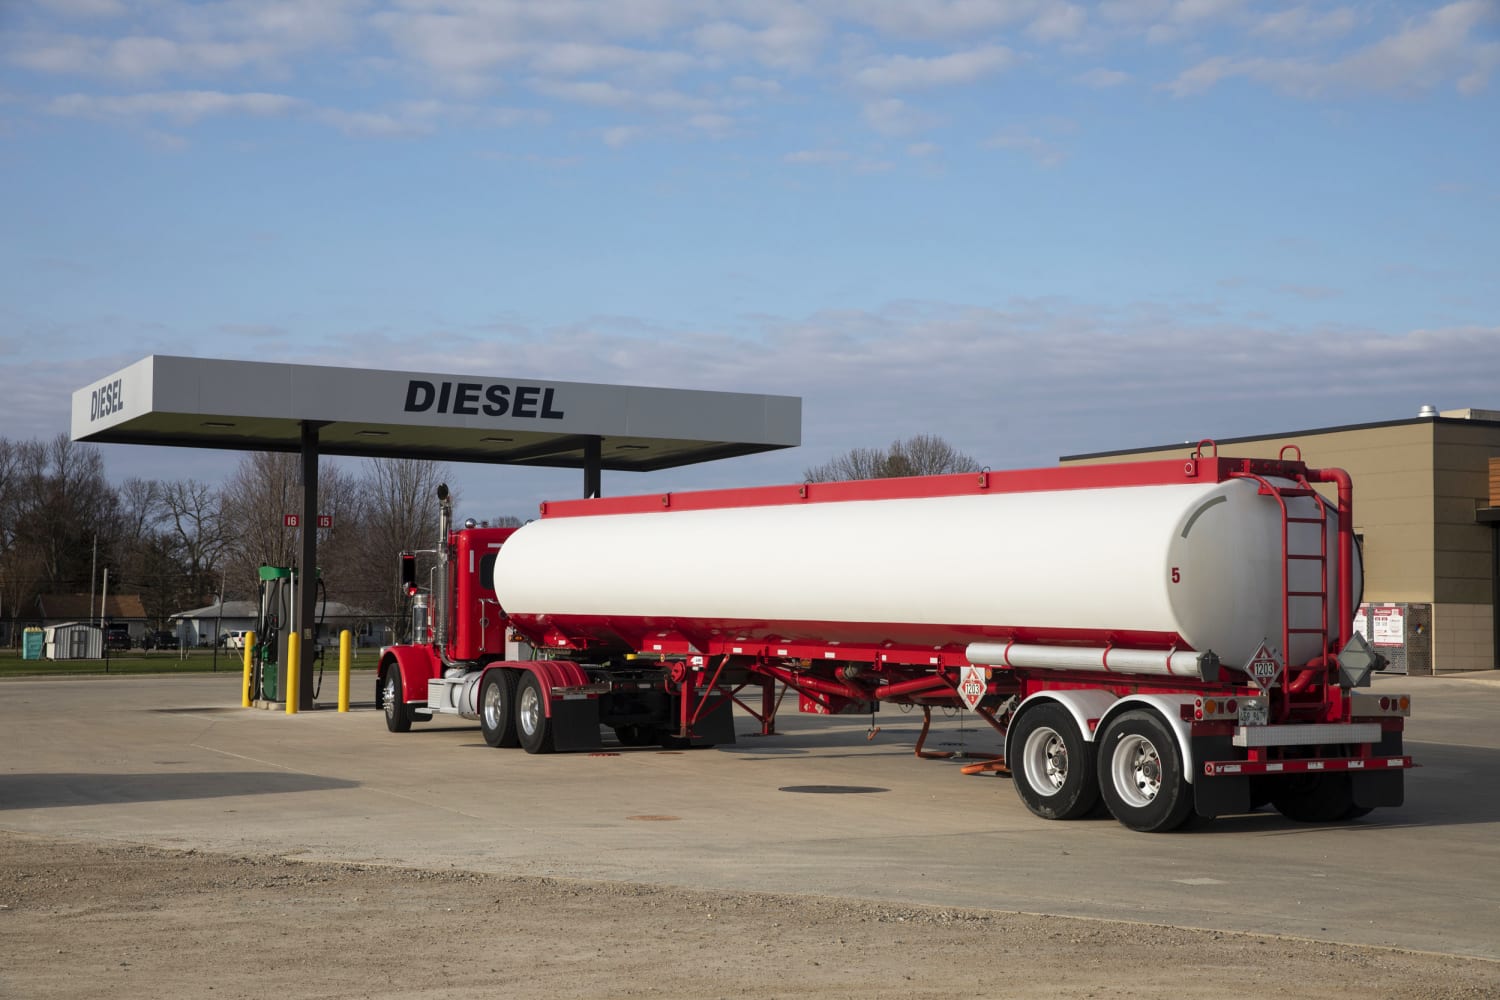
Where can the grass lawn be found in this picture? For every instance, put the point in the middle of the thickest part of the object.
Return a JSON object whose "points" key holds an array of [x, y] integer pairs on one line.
{"points": [[135, 661]]}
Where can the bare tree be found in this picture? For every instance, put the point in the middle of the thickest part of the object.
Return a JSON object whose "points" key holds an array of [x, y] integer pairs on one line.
{"points": [[193, 512], [14, 583], [921, 455], [64, 504], [400, 515]]}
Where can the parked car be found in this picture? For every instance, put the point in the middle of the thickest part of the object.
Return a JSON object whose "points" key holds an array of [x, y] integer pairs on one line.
{"points": [[116, 637], [234, 639], [159, 639]]}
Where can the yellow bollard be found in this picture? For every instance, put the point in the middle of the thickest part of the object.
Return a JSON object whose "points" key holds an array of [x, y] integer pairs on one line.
{"points": [[346, 644], [247, 697], [293, 671]]}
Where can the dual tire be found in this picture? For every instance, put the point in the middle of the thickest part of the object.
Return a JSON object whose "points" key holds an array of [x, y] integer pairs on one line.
{"points": [[1134, 768], [513, 712]]}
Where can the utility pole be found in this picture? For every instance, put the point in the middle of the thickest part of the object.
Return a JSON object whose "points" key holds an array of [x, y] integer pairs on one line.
{"points": [[219, 622], [93, 575]]}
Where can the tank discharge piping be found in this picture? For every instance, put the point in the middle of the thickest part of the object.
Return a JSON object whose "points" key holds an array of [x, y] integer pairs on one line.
{"points": [[1106, 659]]}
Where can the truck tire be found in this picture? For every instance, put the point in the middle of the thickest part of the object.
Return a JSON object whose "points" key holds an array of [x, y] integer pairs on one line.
{"points": [[397, 716], [497, 713], [1141, 774], [532, 725], [1052, 765]]}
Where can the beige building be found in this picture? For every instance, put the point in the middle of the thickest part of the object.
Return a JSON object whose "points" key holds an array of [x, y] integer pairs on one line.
{"points": [[1427, 508]]}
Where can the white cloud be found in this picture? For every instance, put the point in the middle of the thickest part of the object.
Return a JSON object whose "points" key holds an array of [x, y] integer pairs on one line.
{"points": [[755, 85], [621, 135], [1094, 377], [893, 116], [580, 59], [931, 18], [1042, 151], [602, 94], [376, 124], [1425, 53], [1304, 25], [820, 157], [165, 40], [182, 106], [711, 124], [187, 107], [1102, 79], [1058, 22], [462, 52], [791, 41], [86, 8], [894, 73]]}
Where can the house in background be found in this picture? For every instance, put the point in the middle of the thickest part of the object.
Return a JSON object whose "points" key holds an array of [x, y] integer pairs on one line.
{"points": [[125, 610], [203, 626]]}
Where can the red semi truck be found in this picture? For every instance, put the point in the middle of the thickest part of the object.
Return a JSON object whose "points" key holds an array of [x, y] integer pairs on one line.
{"points": [[1173, 638]]}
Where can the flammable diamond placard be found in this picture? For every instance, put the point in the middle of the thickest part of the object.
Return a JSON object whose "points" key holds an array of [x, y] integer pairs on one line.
{"points": [[1264, 668], [972, 685]]}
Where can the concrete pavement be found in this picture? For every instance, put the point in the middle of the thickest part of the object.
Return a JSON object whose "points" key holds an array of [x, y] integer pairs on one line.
{"points": [[175, 762]]}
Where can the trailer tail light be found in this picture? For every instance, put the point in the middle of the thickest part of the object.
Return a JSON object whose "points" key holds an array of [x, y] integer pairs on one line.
{"points": [[1364, 706], [1211, 709]]}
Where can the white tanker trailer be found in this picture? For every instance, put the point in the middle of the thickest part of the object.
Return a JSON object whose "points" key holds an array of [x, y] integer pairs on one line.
{"points": [[1172, 637]]}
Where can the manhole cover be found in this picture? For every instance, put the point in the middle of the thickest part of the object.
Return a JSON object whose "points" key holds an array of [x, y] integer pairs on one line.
{"points": [[833, 789]]}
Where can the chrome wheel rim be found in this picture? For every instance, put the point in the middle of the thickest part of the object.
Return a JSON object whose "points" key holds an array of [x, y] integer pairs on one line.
{"points": [[530, 715], [1135, 771], [1045, 757], [492, 708], [390, 695]]}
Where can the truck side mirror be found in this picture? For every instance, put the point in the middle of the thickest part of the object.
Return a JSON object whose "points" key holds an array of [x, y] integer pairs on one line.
{"points": [[409, 572]]}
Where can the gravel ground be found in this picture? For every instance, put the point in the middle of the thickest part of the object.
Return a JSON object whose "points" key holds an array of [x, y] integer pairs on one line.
{"points": [[83, 920]]}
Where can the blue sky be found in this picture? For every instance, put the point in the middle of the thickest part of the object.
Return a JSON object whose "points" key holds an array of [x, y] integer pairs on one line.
{"points": [[1031, 227]]}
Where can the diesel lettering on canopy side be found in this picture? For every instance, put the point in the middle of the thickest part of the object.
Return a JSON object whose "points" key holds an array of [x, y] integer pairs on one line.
{"points": [[470, 399], [109, 398]]}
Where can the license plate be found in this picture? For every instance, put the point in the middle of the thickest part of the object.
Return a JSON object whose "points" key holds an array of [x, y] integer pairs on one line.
{"points": [[1253, 715]]}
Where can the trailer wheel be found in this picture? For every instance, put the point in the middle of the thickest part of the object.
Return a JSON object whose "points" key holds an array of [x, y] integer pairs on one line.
{"points": [[1052, 766], [1141, 775], [497, 714], [532, 724], [397, 716]]}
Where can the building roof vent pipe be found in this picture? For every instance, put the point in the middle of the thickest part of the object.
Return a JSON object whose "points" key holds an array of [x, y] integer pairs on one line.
{"points": [[1427, 410]]}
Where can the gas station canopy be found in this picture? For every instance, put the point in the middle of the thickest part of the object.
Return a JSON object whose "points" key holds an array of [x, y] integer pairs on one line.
{"points": [[260, 406]]}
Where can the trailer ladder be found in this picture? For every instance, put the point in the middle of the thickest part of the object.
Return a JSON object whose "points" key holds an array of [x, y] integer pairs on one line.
{"points": [[1300, 488]]}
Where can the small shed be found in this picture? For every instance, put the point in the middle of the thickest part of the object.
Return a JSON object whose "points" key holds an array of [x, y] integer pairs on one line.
{"points": [[75, 641]]}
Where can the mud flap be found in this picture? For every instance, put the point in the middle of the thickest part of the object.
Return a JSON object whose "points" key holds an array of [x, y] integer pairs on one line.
{"points": [[575, 724], [715, 727], [1374, 789], [1227, 795]]}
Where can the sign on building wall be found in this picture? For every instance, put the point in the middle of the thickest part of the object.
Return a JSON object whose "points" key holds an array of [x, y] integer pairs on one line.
{"points": [[1400, 633]]}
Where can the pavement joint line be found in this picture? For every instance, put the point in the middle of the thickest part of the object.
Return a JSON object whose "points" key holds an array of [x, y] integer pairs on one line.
{"points": [[316, 774], [256, 760]]}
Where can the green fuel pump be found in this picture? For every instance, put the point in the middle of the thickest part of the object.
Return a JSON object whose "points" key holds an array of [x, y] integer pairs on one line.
{"points": [[277, 619]]}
